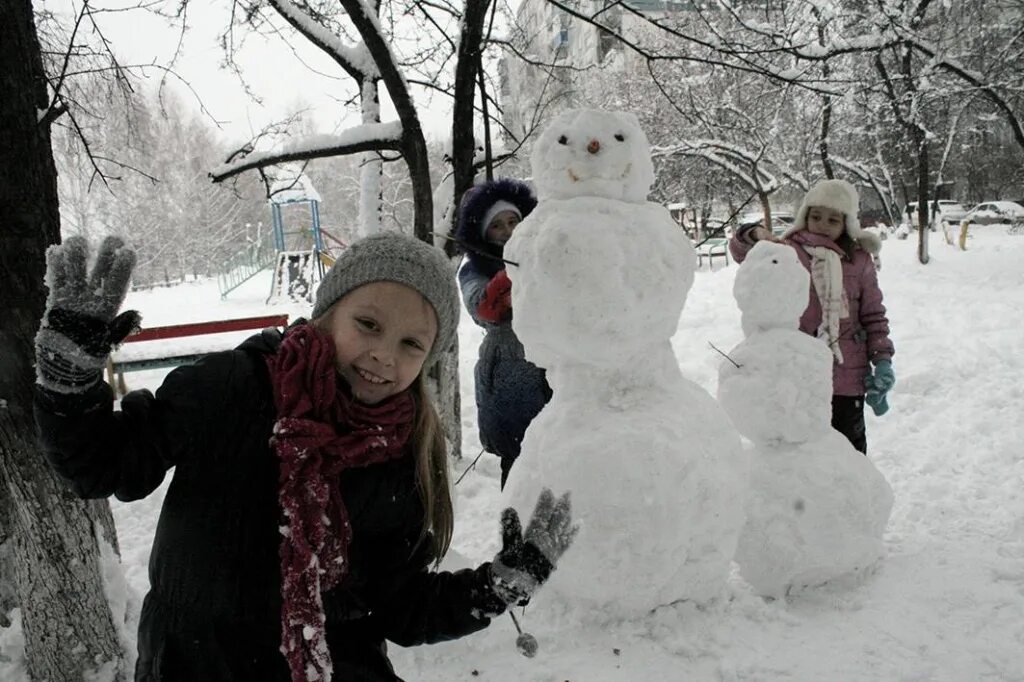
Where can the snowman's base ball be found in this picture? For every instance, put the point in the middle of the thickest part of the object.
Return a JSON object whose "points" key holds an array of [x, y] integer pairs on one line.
{"points": [[527, 644]]}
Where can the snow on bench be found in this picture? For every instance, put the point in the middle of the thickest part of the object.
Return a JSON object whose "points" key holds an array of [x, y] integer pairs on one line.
{"points": [[181, 344]]}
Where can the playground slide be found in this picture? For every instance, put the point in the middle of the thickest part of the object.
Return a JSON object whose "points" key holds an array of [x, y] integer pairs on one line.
{"points": [[294, 276]]}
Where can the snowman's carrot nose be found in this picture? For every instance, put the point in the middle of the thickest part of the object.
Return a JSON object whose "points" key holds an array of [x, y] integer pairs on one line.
{"points": [[594, 147]]}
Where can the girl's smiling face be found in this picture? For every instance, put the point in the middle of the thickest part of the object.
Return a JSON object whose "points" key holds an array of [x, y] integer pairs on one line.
{"points": [[382, 334], [827, 222]]}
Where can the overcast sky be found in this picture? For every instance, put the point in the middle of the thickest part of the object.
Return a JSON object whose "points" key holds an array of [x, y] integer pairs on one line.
{"points": [[273, 71]]}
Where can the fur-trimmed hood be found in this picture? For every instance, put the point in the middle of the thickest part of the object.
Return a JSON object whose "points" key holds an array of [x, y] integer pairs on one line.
{"points": [[474, 206]]}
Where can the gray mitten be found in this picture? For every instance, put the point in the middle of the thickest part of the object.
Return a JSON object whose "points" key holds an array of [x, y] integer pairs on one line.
{"points": [[526, 561], [81, 325]]}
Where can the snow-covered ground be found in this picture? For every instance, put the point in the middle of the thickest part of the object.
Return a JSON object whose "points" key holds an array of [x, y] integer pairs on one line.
{"points": [[946, 604]]}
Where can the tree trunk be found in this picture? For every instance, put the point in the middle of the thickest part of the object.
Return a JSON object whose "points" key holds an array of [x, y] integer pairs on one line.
{"points": [[66, 619], [8, 596], [923, 218], [826, 120], [445, 375], [467, 69], [766, 208], [372, 169], [826, 109]]}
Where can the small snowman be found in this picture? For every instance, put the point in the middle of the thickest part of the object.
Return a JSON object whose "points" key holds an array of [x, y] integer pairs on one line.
{"points": [[655, 469], [817, 507]]}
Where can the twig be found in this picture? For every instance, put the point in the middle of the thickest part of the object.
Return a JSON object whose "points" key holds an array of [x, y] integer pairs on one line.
{"points": [[516, 621], [724, 355], [473, 464], [726, 222], [475, 250]]}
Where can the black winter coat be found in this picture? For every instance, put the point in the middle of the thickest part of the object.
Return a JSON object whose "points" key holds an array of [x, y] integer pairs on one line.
{"points": [[213, 610], [510, 390]]}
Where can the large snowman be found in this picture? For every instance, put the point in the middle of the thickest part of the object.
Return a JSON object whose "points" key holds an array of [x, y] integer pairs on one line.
{"points": [[817, 507], [655, 469]]}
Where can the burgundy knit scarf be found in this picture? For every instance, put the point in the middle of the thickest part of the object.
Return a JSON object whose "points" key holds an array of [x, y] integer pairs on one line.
{"points": [[320, 431]]}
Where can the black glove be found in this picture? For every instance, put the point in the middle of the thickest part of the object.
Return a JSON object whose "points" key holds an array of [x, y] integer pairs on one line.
{"points": [[80, 324], [526, 561]]}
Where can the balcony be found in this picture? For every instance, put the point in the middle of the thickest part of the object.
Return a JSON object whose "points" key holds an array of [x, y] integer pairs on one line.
{"points": [[560, 40]]}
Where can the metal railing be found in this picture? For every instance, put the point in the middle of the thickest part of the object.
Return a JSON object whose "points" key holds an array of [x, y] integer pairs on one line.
{"points": [[246, 264]]}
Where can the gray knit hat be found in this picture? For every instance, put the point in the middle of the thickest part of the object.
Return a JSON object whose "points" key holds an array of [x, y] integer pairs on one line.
{"points": [[395, 257]]}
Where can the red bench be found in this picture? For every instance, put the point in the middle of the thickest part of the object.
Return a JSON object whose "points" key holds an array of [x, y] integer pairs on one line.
{"points": [[159, 359]]}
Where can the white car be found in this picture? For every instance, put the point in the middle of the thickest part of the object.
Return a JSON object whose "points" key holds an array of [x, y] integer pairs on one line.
{"points": [[996, 212], [948, 210]]}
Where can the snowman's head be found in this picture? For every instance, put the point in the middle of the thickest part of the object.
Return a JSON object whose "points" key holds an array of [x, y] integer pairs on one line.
{"points": [[588, 152], [771, 288]]}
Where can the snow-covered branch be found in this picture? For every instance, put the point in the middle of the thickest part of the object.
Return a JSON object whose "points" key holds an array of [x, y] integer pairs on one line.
{"points": [[355, 60], [715, 54], [362, 138], [743, 164], [975, 79]]}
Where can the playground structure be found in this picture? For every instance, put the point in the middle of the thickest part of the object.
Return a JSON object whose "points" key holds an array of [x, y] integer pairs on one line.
{"points": [[298, 256]]}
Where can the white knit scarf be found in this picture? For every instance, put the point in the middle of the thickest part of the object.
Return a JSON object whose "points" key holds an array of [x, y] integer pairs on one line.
{"points": [[827, 277]]}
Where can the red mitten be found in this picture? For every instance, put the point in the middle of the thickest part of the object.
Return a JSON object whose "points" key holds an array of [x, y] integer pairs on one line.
{"points": [[496, 305]]}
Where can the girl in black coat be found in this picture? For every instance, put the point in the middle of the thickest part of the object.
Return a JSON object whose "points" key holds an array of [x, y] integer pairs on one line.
{"points": [[310, 496]]}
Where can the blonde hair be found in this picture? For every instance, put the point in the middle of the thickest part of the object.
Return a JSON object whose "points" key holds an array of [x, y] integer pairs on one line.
{"points": [[431, 452], [432, 472]]}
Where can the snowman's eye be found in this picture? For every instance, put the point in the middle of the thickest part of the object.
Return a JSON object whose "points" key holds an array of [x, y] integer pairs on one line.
{"points": [[563, 140], [775, 261], [620, 137]]}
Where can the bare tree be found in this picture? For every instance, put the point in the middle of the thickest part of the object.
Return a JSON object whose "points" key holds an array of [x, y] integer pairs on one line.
{"points": [[917, 58], [365, 45], [53, 537]]}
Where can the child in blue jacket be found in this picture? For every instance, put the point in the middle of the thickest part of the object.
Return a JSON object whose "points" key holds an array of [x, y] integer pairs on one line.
{"points": [[510, 390]]}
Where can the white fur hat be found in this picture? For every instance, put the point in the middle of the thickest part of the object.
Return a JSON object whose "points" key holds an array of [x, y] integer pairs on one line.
{"points": [[499, 206], [839, 195]]}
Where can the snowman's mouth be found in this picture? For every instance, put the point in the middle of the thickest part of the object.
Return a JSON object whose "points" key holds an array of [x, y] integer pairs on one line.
{"points": [[625, 173]]}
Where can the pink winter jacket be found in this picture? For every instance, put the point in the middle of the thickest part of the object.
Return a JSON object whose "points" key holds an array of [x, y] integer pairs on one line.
{"points": [[864, 335]]}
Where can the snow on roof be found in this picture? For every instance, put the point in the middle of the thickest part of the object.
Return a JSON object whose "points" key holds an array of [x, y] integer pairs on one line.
{"points": [[292, 188]]}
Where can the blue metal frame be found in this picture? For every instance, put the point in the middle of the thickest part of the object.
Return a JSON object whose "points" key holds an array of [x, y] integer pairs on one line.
{"points": [[255, 258], [314, 228]]}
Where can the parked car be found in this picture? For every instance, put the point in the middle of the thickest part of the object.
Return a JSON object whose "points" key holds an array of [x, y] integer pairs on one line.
{"points": [[948, 210], [781, 220], [996, 212]]}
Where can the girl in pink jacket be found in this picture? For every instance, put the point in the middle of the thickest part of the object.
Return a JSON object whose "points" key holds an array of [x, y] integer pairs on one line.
{"points": [[845, 307]]}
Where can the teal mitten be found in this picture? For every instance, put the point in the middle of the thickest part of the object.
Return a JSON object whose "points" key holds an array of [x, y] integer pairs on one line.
{"points": [[877, 387]]}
